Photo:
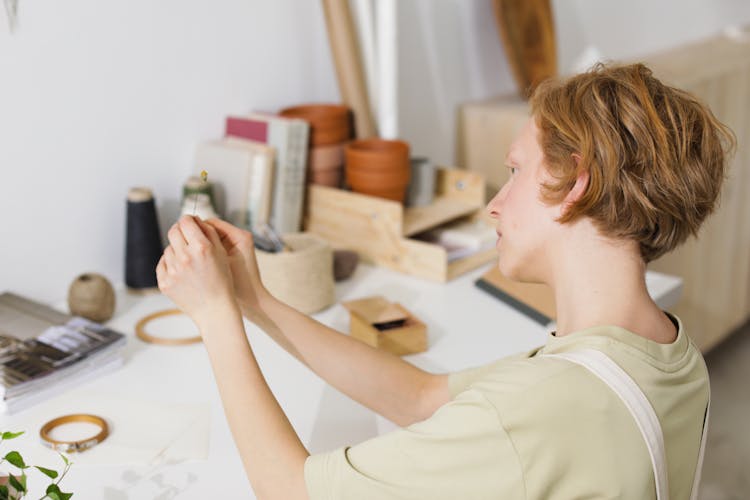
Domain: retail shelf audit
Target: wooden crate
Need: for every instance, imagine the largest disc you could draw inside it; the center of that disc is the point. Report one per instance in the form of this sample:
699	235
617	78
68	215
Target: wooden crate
380	230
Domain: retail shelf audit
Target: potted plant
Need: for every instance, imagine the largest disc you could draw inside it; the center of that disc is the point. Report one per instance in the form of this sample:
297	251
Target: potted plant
13	486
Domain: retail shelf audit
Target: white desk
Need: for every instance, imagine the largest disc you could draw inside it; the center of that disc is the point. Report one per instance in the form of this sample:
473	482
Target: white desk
466	327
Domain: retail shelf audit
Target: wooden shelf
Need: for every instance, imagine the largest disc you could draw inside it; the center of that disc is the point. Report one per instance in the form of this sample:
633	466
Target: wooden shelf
443	209
378	229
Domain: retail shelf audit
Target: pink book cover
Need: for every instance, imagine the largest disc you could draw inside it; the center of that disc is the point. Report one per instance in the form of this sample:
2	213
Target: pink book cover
247	128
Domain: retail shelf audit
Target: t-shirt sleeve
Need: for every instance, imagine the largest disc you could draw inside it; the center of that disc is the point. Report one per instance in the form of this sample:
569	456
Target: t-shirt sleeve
462	380
462	451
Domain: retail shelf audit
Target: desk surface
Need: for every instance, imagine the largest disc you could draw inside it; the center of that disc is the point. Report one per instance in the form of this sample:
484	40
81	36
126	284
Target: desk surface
466	327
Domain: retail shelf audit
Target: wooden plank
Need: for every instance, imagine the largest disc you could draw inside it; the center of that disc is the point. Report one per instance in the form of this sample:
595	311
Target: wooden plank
443	209
461	266
368	225
425	260
461	185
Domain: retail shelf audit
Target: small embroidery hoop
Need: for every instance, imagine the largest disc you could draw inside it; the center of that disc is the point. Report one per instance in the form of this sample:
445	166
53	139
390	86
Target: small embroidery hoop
141	333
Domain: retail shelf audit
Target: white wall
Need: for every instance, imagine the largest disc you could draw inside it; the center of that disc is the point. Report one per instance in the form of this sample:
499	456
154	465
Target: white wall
451	51
96	97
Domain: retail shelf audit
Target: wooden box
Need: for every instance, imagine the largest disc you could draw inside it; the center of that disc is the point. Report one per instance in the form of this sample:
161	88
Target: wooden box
409	338
381	231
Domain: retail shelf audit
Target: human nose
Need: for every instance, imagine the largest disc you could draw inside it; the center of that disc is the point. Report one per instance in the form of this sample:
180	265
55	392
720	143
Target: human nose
495	204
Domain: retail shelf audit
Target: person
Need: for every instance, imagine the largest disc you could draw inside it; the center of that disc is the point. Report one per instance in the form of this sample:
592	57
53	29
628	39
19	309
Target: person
613	169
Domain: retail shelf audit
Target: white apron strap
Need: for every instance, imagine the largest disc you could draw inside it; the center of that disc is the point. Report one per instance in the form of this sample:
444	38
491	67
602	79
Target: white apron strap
648	423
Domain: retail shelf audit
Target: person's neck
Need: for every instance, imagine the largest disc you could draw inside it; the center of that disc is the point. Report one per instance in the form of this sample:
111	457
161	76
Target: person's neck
599	282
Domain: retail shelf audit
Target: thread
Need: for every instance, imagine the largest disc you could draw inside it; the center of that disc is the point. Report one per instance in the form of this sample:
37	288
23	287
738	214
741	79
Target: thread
143	246
195	185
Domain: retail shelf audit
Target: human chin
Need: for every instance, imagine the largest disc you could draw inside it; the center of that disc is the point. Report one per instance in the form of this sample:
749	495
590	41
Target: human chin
507	265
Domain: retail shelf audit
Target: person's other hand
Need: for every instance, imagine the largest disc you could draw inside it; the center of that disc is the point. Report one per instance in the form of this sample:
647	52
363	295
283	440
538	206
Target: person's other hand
240	248
194	270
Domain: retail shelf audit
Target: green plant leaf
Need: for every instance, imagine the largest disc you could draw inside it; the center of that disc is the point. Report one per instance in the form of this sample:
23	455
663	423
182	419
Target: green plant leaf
47	472
15	458
4	492
17	483
53	492
65	459
10	435
65	496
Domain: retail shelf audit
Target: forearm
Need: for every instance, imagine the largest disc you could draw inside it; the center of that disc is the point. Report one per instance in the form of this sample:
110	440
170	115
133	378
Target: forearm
272	454
377	379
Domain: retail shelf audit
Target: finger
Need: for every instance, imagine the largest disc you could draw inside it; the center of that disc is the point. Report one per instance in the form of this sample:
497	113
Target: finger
229	234
161	266
170	260
177	239
191	230
225	230
212	234
161	271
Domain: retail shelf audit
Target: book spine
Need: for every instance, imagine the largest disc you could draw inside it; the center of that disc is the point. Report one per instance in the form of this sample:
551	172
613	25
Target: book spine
289	178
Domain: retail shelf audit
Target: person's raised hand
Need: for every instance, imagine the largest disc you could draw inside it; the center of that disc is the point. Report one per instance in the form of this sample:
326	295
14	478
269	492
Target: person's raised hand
240	248
194	270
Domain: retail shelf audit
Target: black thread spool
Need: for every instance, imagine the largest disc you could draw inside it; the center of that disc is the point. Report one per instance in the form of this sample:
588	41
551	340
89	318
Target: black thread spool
143	246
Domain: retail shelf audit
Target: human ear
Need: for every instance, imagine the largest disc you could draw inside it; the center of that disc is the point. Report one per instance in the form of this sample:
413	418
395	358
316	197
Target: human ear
579	187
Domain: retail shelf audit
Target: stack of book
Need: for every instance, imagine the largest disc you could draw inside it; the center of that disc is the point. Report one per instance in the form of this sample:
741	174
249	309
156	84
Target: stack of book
43	351
258	170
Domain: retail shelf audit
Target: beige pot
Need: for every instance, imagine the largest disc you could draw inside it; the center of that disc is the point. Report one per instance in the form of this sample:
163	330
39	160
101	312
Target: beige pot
302	277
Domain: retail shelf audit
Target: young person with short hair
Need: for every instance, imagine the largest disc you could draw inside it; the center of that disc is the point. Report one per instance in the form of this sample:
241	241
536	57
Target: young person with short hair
613	170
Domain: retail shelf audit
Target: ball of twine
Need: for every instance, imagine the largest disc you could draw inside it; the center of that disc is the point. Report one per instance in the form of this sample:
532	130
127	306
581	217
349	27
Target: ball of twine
302	277
91	296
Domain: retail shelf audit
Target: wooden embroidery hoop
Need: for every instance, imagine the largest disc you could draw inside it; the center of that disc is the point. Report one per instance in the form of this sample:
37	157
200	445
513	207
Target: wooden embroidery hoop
141	333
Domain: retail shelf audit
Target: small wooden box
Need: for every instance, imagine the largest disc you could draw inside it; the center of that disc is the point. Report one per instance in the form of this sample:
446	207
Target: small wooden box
410	338
381	230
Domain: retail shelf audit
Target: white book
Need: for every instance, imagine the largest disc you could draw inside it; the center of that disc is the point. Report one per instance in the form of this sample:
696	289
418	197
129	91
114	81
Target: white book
241	172
289	137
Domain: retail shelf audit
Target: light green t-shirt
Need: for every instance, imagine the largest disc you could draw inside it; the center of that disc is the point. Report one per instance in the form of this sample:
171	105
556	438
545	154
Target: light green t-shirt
531	427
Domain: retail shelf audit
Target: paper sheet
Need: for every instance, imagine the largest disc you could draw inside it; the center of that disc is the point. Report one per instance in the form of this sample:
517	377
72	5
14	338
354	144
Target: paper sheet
142	432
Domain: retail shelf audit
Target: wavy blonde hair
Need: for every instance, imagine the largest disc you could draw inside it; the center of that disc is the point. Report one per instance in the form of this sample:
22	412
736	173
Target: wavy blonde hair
655	154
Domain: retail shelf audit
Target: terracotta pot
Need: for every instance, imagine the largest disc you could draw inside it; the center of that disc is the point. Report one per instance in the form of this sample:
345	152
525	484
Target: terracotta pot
377	154
329	123
324	157
387	178
331	178
325	137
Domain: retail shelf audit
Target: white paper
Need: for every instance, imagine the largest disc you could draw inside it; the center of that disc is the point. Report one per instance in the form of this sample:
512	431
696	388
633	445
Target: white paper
142	432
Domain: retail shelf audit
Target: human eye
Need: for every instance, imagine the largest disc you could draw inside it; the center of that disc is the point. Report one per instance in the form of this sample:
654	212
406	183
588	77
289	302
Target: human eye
513	169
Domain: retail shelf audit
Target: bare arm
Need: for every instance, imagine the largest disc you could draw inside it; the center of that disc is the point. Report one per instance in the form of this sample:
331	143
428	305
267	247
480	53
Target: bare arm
194	273
381	381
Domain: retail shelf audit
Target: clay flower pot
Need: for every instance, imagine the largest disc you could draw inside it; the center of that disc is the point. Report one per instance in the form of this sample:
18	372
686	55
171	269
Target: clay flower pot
378	167
376	179
377	154
330	178
329	123
326	157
